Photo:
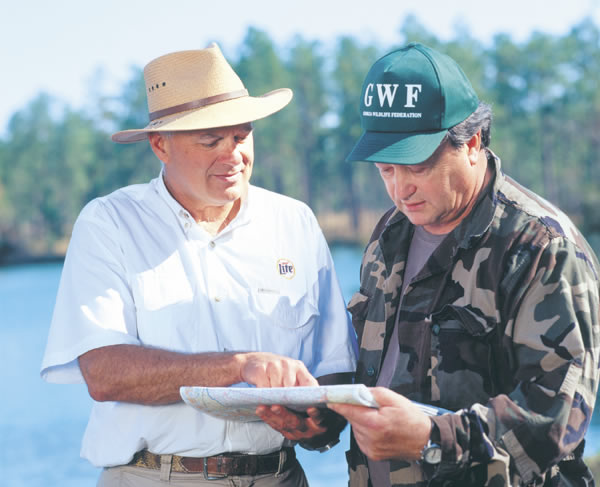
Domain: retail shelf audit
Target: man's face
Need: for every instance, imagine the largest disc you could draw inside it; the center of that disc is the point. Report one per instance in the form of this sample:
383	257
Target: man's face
207	168
437	193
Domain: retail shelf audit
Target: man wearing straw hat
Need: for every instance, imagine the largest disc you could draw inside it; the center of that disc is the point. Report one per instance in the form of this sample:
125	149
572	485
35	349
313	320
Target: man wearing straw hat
476	296
198	278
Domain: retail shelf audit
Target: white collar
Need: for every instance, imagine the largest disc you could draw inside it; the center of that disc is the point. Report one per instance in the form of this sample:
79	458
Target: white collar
184	217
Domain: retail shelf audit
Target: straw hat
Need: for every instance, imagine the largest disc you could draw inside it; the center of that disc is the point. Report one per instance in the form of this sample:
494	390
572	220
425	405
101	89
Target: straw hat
191	90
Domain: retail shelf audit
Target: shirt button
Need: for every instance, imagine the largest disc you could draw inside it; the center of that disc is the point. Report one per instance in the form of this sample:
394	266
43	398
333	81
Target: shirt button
212	244
370	371
435	329
217	299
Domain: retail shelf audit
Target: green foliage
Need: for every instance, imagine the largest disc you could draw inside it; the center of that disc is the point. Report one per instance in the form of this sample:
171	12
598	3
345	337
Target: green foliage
263	70
352	62
544	93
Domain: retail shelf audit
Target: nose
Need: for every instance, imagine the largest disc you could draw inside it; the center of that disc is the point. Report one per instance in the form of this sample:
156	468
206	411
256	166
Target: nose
231	153
404	187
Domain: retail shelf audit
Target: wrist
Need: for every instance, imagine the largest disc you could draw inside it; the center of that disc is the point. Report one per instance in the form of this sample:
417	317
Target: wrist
239	360
321	448
431	454
327	440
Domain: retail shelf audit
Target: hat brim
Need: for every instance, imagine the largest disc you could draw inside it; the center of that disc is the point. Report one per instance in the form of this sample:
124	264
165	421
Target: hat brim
222	114
396	148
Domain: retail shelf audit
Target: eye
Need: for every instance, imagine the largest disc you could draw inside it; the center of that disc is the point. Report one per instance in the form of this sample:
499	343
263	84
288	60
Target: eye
240	139
420	168
209	143
385	170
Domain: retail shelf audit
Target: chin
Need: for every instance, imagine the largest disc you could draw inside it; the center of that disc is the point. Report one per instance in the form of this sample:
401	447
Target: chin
231	195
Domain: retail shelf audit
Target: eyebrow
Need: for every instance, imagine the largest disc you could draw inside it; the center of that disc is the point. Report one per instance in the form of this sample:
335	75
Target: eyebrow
246	128
205	135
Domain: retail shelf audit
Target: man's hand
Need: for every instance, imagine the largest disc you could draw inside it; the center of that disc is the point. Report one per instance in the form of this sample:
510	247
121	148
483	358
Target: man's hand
397	430
294	426
269	370
317	427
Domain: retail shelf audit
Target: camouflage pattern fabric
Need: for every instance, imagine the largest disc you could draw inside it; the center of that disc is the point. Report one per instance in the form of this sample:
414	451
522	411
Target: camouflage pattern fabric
501	326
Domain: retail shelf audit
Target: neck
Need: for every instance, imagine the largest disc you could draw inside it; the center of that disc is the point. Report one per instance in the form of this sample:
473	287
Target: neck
214	219
483	179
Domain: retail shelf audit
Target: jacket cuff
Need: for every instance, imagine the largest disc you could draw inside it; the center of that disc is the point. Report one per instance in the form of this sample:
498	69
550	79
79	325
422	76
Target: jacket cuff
453	438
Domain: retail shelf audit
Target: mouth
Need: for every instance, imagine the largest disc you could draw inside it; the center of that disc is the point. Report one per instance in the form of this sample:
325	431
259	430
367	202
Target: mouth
229	176
414	206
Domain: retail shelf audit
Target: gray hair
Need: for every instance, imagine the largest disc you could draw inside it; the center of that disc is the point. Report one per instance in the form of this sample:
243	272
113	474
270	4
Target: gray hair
480	119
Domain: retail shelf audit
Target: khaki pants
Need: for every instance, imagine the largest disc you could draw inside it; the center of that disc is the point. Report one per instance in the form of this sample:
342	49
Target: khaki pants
125	476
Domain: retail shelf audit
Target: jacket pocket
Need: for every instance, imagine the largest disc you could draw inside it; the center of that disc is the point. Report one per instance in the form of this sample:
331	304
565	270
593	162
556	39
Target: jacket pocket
465	357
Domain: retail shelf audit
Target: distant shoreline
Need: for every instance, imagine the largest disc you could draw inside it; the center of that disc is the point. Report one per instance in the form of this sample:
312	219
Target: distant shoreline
337	228
18	260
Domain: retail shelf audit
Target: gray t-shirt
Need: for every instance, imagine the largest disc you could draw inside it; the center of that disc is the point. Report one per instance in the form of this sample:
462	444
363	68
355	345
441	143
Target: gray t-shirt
422	246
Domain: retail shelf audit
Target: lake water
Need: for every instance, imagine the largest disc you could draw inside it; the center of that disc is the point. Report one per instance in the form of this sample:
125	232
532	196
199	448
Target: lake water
41	424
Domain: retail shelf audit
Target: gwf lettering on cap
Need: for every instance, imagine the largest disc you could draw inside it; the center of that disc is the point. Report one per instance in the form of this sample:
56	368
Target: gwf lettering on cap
386	94
409	100
285	268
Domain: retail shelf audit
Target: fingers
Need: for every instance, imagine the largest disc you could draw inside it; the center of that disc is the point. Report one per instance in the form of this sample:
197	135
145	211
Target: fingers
270	370
354	414
386	397
305	378
292	425
283	372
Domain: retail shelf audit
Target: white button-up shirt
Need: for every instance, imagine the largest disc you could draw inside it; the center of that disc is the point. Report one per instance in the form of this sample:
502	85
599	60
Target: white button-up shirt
139	270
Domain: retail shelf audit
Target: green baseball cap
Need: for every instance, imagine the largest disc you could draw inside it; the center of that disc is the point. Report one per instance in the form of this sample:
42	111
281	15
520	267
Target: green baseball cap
409	100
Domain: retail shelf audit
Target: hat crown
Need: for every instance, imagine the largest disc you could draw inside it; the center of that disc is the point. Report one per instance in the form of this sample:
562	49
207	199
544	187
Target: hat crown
415	89
198	90
186	76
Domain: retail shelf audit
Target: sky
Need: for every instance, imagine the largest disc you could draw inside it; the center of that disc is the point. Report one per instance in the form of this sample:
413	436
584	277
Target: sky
73	48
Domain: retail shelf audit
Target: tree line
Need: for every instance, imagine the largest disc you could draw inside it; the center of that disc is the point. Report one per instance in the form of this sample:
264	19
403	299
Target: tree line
543	91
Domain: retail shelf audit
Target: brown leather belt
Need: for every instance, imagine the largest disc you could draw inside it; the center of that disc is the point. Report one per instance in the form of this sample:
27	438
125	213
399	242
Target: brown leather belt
220	465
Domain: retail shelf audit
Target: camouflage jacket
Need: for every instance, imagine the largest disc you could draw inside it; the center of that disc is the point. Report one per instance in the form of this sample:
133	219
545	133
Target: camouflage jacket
501	326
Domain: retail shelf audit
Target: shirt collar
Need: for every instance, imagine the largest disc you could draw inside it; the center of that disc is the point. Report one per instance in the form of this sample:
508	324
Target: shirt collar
185	219
181	214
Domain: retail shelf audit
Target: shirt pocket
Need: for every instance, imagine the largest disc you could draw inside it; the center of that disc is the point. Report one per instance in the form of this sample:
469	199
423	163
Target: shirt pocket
280	310
464	356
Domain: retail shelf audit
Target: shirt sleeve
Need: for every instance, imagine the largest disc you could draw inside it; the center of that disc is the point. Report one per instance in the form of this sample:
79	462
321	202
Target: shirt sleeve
335	336
94	305
555	342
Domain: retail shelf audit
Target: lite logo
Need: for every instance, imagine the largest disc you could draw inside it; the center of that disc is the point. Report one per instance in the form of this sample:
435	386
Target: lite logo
386	92
286	268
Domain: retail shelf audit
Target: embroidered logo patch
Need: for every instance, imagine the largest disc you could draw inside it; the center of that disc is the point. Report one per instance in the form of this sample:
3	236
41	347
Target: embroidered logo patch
286	268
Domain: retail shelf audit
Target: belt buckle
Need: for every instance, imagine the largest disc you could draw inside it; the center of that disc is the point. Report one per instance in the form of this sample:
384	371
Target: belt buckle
209	477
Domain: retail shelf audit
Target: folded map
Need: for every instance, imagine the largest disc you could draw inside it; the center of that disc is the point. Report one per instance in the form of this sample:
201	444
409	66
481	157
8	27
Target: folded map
239	403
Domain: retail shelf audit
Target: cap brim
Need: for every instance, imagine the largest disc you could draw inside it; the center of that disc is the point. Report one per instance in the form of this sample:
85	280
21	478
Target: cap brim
396	148
223	114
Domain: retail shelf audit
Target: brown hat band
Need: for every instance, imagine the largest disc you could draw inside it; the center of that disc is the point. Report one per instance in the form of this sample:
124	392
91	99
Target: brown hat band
197	104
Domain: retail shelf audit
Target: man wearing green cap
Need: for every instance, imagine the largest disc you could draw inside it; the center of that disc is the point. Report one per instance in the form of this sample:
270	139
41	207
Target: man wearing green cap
477	296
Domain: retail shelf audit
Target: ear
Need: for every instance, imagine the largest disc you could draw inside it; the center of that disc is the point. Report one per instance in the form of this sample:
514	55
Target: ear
474	147
159	145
